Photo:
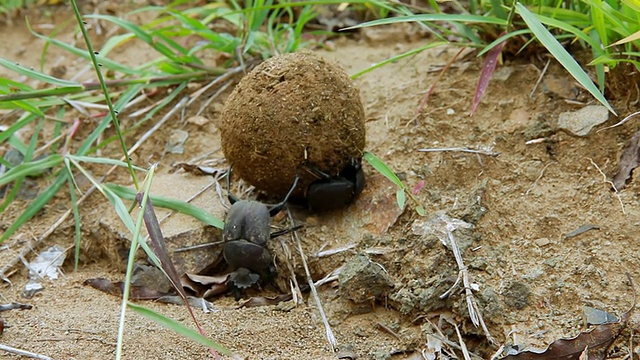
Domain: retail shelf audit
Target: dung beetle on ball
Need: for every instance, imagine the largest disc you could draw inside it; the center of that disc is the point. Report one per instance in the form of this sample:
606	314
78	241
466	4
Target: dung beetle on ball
245	236
335	192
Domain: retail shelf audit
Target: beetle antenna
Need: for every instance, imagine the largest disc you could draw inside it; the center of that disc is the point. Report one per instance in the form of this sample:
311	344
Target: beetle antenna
275	234
232	198
277	207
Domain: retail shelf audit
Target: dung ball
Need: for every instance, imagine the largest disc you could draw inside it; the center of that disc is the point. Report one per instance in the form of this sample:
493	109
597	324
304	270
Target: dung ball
290	113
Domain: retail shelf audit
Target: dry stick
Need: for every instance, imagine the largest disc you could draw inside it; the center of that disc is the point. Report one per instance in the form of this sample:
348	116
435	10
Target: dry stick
474	312
463	346
12	350
330	337
544	71
610	183
460	149
433	86
295	287
30	245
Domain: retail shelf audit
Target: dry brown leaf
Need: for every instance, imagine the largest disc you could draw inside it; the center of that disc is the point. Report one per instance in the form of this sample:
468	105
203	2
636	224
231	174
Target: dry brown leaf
115	288
197	169
597	340
629	160
205	286
265	301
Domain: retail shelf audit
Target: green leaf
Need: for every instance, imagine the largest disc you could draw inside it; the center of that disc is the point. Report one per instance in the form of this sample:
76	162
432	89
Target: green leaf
178	328
173	204
561	55
401	198
383	169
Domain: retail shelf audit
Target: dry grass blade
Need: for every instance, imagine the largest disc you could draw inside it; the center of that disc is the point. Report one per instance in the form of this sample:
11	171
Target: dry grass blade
12	350
329	333
160	249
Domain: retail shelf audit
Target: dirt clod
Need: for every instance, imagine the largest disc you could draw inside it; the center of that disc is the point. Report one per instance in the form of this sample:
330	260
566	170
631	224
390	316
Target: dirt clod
364	280
290	111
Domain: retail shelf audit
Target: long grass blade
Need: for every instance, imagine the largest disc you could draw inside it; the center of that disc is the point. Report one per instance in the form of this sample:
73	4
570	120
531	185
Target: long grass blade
36	205
172	204
463	18
561	55
178	328
31	168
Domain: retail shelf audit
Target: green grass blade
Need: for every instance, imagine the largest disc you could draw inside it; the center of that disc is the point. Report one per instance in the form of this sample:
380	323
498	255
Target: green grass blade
396	58
105	161
178	328
561	55
31	168
148	38
173	204
108	64
35	206
33	74
76	218
463	18
20	124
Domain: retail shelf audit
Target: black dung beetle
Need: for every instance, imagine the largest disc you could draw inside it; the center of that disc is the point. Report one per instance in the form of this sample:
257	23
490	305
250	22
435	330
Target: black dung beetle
245	235
335	192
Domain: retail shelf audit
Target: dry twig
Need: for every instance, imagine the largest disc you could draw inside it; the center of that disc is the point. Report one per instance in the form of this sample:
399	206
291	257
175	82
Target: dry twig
329	333
15	351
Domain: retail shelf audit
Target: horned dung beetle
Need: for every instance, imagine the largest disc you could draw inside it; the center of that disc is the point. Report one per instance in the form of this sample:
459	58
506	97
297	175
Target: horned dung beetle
335	192
245	236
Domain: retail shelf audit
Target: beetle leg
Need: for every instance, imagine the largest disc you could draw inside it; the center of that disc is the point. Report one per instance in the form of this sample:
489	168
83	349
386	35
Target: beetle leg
277	207
317	172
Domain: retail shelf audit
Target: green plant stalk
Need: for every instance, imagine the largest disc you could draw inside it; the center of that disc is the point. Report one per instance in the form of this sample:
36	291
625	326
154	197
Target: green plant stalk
131	261
105	91
76	217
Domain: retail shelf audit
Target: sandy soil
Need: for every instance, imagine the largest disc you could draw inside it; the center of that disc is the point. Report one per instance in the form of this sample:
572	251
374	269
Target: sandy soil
532	280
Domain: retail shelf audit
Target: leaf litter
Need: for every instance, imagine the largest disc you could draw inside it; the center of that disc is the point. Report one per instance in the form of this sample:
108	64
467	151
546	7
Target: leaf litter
590	344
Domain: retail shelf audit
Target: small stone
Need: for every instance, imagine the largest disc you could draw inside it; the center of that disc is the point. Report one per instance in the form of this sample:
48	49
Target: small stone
364	280
517	295
198	120
175	145
582	121
542	241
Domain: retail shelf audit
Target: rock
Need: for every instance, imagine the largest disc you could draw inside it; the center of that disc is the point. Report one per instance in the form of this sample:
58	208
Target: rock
582	121
175	145
364	280
516	295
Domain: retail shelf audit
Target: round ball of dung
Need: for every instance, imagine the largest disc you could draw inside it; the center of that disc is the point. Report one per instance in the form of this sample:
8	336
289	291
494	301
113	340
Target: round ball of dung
290	113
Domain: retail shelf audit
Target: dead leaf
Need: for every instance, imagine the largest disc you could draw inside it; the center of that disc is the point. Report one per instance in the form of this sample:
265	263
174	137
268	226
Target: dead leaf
593	316
205	286
195	302
15	306
198	169
265	301
207	280
116	288
597	340
629	160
